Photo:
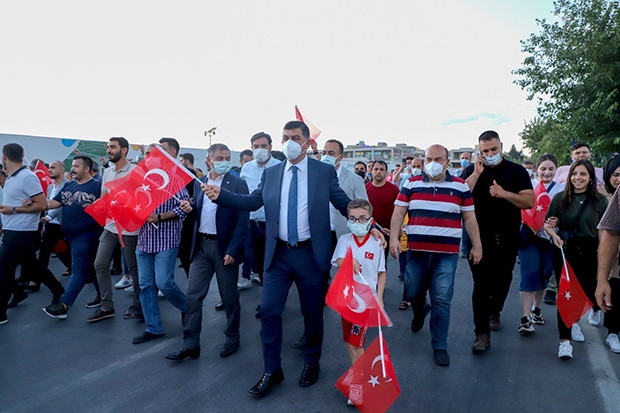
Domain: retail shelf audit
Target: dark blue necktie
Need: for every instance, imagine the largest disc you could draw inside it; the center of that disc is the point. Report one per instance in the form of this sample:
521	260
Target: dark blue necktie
291	222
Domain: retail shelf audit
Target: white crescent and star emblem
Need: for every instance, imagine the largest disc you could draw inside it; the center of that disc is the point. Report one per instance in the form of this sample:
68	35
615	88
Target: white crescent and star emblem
567	295
160	172
146	190
361	304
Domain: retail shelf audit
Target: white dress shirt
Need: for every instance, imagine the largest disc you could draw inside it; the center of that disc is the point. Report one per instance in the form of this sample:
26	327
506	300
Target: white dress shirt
303	223
209	209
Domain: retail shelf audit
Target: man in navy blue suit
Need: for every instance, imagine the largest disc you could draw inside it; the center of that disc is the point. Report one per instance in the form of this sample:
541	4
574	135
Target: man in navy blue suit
296	195
217	247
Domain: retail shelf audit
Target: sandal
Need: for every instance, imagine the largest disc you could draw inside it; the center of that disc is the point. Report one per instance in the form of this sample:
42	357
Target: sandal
403	305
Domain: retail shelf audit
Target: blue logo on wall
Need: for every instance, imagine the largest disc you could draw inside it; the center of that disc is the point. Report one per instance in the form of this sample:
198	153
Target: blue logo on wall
68	142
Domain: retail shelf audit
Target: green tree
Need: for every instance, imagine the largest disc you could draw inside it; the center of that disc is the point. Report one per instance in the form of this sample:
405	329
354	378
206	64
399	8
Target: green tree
514	155
573	72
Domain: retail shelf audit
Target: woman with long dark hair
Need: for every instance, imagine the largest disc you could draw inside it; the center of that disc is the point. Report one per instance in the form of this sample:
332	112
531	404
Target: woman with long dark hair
571	222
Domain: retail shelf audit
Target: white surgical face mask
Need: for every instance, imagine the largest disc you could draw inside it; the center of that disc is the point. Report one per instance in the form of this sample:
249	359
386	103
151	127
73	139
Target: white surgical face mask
261	155
221	167
416	172
433	169
493	160
291	150
359	229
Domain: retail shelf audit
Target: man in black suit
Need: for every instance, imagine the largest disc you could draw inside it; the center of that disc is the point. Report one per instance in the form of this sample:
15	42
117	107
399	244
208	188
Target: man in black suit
217	249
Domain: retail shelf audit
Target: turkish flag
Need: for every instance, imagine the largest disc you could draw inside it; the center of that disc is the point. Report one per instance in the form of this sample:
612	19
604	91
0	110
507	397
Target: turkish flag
572	301
99	210
43	174
371	382
152	182
314	131
535	217
354	300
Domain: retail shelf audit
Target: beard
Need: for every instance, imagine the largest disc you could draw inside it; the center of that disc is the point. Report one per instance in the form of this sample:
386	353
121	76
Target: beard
114	157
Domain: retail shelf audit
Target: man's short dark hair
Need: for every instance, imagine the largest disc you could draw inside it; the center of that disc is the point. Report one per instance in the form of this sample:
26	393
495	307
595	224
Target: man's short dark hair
360	163
259	135
217	147
172	143
578	145
279	155
86	161
295	124
246	152
14	152
380	162
337	142
188	157
488	135
122	142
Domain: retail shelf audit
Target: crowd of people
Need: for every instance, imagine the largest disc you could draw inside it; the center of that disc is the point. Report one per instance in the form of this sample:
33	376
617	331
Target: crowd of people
288	217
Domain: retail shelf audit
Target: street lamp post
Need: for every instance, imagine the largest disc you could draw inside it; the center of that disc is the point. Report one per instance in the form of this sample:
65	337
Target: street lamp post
210	134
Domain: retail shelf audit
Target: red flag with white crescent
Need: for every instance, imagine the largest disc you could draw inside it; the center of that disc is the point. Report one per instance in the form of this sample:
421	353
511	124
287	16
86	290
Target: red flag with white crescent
371	382
156	179
43	174
314	131
535	216
353	300
572	301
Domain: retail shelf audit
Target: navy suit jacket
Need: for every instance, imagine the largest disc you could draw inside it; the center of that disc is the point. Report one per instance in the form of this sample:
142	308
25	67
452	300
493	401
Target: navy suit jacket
232	225
323	188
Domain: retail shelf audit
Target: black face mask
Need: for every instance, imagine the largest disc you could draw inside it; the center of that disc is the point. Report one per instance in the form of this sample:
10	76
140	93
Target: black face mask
361	173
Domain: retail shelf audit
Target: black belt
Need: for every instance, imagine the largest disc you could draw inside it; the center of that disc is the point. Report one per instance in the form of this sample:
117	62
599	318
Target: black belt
207	236
300	244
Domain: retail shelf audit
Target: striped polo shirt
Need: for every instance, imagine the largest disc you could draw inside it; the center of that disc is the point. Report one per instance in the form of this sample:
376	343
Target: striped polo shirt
435	212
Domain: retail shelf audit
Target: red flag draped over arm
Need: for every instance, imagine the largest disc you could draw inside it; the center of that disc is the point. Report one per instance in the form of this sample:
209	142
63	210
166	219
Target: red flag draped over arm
152	182
353	300
365	384
572	301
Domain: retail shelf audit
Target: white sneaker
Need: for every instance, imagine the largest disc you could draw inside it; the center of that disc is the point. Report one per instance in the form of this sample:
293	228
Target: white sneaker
565	352
594	318
124	282
129	289
244	283
613	343
576	333
160	294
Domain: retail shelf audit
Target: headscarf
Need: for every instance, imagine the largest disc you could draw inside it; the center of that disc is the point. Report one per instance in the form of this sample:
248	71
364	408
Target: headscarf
609	169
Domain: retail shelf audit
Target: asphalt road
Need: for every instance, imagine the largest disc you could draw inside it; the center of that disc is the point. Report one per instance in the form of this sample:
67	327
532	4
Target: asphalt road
49	365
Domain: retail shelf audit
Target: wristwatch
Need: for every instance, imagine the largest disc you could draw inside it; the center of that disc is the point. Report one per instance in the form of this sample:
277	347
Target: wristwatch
14	210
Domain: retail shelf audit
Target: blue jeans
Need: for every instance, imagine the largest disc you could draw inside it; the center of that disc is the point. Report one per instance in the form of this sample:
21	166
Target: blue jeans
437	271
156	271
83	253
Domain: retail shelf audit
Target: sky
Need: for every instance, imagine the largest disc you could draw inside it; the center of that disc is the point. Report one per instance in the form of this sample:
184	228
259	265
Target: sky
395	71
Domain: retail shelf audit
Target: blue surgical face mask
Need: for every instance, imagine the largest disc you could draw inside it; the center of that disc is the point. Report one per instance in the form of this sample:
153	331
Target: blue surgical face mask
359	229
464	163
330	160
221	167
493	160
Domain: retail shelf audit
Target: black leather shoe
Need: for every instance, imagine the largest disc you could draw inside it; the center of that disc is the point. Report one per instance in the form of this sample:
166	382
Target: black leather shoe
309	375
265	383
219	306
183	354
17	298
146	336
229	349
